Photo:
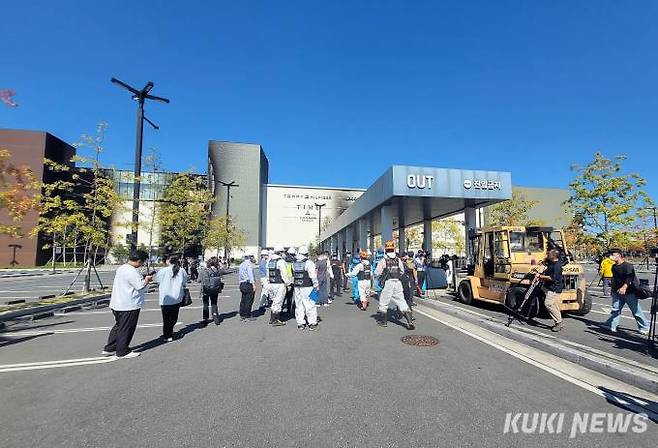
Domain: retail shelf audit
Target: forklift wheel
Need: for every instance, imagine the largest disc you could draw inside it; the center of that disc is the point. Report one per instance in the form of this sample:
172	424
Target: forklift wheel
586	308
465	292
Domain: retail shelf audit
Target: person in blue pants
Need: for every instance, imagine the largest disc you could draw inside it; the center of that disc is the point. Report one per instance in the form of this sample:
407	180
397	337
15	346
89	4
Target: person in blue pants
378	256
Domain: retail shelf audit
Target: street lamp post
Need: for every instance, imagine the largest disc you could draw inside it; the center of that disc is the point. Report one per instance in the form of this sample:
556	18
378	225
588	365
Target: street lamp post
140	96
319	207
228	186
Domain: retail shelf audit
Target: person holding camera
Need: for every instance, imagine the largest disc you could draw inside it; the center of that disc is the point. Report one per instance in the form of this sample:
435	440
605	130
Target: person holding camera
623	293
127	299
552	287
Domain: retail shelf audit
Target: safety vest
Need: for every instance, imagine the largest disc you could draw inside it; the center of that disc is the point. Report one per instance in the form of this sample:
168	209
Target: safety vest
274	272
392	269
300	275
364	274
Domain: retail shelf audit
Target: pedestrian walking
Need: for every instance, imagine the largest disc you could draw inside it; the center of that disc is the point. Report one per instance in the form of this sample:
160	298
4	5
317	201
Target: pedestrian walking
605	271
420	262
305	280
211	285
171	287
324	278
337	281
552	287
278	284
264	280
624	282
390	270
362	272
247	287
126	301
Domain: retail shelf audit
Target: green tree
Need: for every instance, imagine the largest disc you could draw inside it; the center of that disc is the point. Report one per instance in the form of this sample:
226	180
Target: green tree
607	200
513	212
184	213
220	234
448	235
18	194
120	252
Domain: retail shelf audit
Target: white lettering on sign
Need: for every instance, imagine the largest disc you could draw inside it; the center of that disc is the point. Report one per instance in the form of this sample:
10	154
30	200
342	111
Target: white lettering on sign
420	182
482	184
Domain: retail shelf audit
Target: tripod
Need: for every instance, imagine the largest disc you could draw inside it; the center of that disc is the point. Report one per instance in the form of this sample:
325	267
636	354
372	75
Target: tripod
530	299
92	262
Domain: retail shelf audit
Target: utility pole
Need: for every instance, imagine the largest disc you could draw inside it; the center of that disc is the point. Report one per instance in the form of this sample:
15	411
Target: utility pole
319	207
228	186
140	96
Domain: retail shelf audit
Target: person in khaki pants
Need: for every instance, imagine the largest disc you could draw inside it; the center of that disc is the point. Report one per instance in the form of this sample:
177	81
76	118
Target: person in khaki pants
552	278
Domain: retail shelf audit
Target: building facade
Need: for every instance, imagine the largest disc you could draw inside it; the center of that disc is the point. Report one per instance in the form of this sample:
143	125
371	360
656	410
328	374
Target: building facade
29	149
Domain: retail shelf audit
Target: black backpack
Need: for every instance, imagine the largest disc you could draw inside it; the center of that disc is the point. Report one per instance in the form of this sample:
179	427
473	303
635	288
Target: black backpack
213	282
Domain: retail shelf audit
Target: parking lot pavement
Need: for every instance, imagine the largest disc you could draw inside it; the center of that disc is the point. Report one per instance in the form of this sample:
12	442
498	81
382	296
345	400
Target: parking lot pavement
248	384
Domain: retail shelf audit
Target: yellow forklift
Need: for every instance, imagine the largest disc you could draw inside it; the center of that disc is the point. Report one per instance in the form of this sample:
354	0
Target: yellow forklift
505	259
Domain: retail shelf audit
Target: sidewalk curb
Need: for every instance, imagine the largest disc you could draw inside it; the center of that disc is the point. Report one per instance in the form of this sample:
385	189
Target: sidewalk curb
38	310
629	371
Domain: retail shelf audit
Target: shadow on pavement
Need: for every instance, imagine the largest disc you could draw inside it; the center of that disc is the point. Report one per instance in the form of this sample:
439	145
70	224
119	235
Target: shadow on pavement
34	327
5	342
621	340
639	404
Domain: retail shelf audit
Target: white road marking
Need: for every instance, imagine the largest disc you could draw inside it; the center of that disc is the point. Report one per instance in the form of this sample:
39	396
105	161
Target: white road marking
144	310
74	330
56	364
568	371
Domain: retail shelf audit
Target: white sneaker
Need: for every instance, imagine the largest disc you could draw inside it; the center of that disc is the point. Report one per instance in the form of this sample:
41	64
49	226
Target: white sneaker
106	353
169	340
644	333
129	355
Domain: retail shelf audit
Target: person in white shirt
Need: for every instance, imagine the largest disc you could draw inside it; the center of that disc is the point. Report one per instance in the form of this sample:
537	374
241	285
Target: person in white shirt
390	269
305	280
171	287
126	301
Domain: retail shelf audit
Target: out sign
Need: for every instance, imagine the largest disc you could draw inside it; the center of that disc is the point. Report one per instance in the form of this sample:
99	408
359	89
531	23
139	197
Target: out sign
419	181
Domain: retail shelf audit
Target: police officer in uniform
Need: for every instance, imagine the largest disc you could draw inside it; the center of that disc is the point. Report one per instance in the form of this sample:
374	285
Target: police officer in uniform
390	270
363	274
278	280
305	280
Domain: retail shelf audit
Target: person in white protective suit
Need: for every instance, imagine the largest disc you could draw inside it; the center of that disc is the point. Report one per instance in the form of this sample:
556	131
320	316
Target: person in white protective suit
389	270
305	280
278	282
363	272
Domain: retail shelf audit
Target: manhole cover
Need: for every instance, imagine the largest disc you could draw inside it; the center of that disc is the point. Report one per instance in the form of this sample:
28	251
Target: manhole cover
419	341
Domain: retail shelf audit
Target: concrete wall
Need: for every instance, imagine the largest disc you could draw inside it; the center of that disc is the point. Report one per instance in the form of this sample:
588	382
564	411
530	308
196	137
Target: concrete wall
247	165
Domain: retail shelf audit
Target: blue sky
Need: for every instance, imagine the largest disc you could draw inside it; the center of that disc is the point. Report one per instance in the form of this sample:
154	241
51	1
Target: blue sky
338	91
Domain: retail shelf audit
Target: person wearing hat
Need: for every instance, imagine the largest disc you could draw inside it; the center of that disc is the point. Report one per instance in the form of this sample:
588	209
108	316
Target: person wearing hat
279	280
262	272
247	286
362	273
390	270
305	280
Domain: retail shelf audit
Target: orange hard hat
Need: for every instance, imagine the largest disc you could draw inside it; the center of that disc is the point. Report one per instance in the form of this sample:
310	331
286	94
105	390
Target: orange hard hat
364	254
389	246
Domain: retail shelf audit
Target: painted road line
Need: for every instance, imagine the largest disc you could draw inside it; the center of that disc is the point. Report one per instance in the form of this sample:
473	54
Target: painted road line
56	364
74	330
580	376
144	310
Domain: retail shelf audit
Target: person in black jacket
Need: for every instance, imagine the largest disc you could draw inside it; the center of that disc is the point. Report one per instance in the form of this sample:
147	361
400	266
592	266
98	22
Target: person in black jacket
623	293
552	287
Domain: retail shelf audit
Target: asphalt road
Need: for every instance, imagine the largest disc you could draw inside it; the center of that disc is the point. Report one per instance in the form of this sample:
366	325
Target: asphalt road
351	384
29	288
588	330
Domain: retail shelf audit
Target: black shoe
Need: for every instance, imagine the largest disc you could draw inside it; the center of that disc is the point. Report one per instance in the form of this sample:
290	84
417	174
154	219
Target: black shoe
313	327
276	321
381	319
215	317
301	327
409	318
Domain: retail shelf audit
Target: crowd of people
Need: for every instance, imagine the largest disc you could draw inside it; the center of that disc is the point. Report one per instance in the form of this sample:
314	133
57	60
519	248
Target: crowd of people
288	281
